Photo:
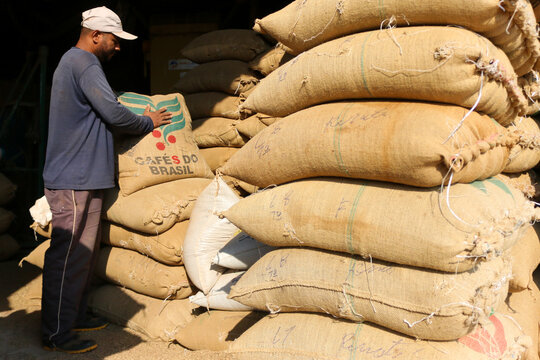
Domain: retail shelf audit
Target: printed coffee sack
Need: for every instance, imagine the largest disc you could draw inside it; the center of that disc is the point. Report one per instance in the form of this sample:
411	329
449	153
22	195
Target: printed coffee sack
301	336
168	153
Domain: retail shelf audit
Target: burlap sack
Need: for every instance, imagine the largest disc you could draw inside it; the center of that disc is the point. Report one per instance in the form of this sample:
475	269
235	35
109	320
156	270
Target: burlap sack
8	246
418	144
43	231
441	64
300	336
155	318
526	182
236	44
6	218
217	131
7	189
449	231
524	307
255	124
139	273
536	7
240	187
214	104
165	247
413	301
155	209
525	255
526	154
37	256
270	60
216	330
28	295
530	83
168	153
302	25
216	157
229	76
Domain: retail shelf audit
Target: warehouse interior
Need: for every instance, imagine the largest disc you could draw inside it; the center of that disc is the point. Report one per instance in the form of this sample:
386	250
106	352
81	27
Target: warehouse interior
39	32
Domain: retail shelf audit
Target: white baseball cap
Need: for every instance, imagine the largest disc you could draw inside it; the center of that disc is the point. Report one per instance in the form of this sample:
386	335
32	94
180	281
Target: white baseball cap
104	19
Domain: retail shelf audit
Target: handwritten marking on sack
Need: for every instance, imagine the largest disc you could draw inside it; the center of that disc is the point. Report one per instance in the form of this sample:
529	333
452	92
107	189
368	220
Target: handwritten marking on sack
394	350
287	197
276	215
342	206
261	148
271	269
341	120
272	202
373	268
281	335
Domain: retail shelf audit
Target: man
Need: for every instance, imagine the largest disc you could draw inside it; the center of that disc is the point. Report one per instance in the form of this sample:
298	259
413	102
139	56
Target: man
79	165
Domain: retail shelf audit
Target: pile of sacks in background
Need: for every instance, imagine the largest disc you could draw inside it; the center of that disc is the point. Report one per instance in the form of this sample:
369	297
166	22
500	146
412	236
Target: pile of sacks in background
230	65
8	245
393	219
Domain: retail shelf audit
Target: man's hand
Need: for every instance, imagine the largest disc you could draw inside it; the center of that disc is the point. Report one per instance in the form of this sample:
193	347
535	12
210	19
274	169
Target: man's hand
160	117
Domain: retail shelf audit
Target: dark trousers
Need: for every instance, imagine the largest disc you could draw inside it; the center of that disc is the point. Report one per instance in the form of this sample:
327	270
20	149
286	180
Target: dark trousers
70	260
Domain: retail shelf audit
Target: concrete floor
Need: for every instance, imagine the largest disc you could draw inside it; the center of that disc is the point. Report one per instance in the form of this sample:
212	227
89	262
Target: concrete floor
20	321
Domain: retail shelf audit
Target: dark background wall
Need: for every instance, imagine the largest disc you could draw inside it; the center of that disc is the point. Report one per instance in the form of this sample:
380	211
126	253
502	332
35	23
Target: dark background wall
52	27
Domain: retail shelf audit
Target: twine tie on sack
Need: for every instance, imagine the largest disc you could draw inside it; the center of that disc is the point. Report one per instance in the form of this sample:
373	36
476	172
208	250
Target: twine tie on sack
340	8
475	311
392	24
511	19
470	110
444	53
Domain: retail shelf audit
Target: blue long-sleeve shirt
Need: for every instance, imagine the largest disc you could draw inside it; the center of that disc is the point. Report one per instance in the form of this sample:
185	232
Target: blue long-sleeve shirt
83	110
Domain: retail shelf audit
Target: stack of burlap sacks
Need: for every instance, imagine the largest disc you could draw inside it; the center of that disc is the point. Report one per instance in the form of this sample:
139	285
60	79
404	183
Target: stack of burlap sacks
8	245
397	235
160	176
230	64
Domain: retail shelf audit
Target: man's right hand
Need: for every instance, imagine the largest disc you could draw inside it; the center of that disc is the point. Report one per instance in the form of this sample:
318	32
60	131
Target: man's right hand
159	117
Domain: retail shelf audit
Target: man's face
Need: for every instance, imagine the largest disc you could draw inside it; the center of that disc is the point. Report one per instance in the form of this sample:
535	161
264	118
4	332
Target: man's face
108	44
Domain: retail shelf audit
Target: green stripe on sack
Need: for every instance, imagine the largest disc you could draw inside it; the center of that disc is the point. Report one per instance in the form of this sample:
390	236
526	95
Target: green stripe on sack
337	139
382	12
178	123
171	105
501	185
479	184
136	99
362	63
352	214
356	338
